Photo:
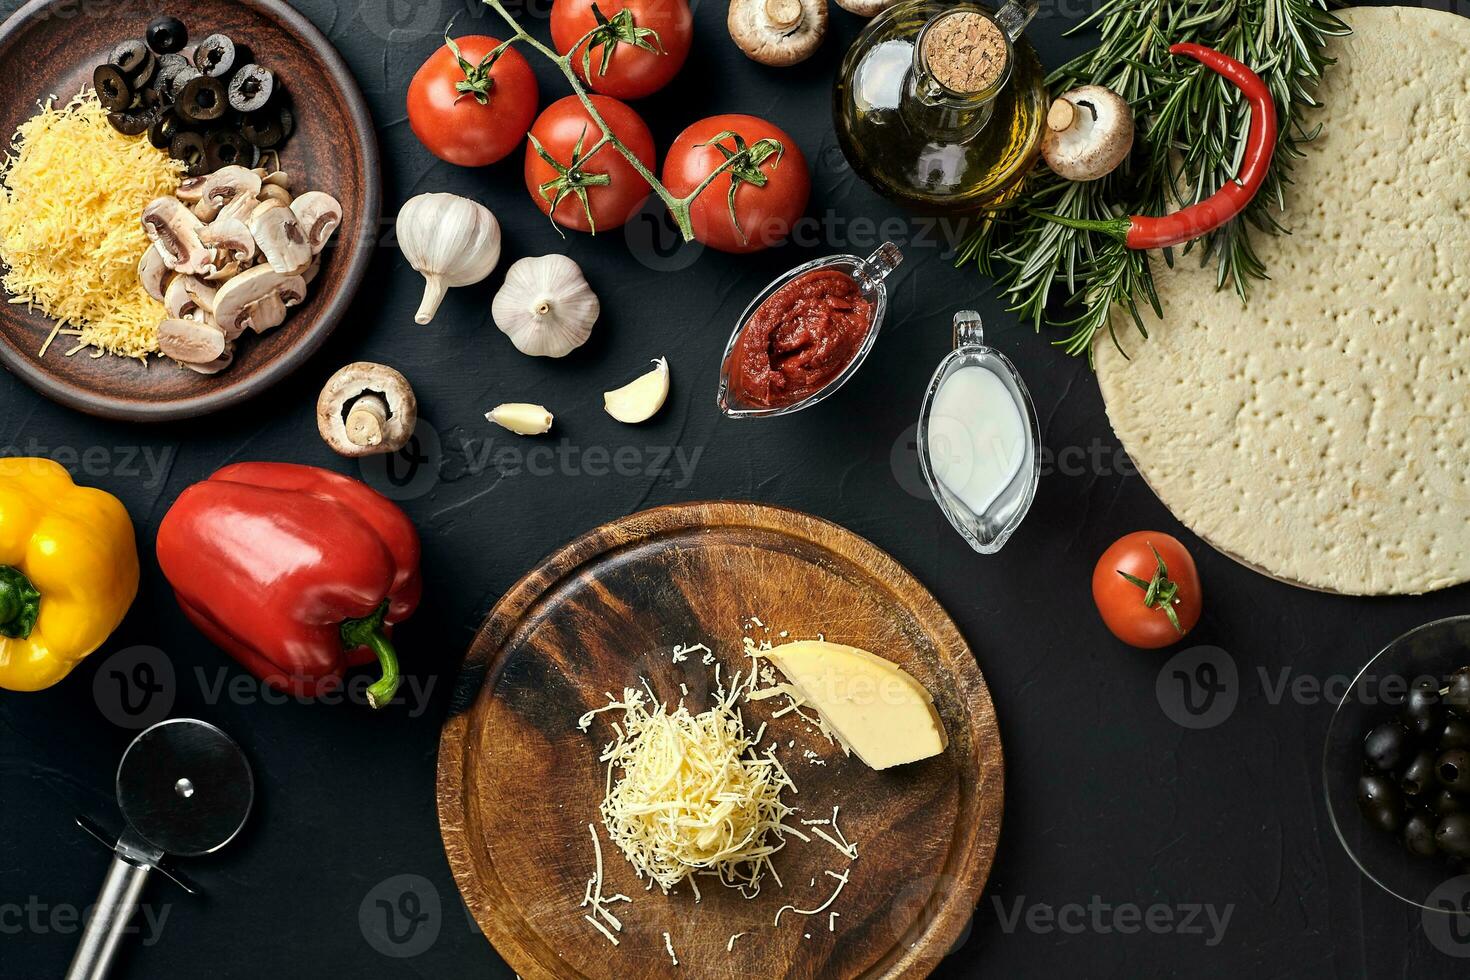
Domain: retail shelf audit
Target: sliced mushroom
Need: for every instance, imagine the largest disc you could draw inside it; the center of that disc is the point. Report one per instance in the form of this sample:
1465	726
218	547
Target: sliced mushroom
217	365
191	341
865	8
278	178
191	190
312	271
266	203
256	299
777	32
153	274
1089	131
366	408
240	208
189	298
233	244
281	239
222	187
319	214
174	231
276	193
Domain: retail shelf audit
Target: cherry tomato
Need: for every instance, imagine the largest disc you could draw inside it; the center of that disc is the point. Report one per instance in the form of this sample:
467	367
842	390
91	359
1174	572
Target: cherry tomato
484	123
566	133
1121	588
640	45
770	195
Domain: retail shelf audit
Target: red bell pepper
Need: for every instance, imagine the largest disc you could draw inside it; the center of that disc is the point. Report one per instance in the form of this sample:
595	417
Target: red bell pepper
296	572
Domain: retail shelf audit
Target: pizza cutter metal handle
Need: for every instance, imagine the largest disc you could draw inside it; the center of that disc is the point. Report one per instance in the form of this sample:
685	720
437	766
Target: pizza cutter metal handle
108	923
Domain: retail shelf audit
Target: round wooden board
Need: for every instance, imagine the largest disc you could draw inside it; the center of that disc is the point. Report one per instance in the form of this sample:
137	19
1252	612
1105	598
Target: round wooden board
518	783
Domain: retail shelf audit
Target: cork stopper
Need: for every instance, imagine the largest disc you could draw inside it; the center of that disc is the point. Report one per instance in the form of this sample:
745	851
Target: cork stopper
965	52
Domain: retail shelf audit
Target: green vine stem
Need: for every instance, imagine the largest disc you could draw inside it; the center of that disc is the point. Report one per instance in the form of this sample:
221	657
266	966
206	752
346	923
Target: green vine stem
751	156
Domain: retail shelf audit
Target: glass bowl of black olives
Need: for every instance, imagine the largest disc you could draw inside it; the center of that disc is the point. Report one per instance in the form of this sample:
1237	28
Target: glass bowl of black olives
1397	763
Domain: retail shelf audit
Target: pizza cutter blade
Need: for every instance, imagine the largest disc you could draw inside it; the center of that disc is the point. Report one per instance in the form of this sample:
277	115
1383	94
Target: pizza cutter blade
185	789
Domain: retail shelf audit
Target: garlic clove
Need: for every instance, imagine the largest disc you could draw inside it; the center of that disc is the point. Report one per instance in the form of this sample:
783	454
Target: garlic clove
521	418
640	399
546	307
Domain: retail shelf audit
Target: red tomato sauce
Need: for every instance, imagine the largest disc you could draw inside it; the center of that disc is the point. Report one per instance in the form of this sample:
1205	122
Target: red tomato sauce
800	338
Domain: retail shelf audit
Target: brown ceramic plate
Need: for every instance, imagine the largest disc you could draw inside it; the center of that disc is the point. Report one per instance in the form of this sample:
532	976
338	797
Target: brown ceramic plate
518	783
50	47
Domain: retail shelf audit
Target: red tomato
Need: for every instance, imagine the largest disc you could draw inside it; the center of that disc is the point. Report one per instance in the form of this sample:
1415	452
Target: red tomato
766	214
478	127
645	42
1147	556
561	129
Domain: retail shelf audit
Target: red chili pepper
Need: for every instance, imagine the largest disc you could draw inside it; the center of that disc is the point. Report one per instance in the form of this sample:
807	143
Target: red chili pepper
1187	224
294	571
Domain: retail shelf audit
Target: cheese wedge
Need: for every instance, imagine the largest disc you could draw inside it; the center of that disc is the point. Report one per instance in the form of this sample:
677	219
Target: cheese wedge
873	706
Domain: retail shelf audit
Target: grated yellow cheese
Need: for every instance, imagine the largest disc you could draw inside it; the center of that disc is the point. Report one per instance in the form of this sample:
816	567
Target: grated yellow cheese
72	191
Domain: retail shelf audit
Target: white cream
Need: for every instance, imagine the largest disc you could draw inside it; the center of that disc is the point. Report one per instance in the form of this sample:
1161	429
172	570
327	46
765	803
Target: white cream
977	437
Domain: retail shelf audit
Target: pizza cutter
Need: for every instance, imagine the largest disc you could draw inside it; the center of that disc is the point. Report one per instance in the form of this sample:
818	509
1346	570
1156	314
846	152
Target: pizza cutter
185	789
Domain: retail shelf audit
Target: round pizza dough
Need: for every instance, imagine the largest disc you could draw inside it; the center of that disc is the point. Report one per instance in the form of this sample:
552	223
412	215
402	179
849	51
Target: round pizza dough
1321	433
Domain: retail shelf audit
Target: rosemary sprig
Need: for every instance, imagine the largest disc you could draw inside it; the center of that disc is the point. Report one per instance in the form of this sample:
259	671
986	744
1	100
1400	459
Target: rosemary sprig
1191	132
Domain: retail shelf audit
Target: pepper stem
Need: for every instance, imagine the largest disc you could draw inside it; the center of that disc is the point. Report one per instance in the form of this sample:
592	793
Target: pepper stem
20	603
368	632
1112	227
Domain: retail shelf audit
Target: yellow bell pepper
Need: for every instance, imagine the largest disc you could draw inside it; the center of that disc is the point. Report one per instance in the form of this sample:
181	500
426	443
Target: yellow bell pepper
68	571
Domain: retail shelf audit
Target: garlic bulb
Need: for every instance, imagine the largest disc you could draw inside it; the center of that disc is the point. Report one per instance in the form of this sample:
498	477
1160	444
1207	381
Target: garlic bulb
546	307
451	241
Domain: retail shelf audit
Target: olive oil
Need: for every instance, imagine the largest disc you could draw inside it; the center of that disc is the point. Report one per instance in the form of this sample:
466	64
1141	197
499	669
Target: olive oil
910	129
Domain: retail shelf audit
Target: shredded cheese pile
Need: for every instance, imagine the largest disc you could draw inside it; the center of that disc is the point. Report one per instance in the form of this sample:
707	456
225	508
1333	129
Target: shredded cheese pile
693	796
71	193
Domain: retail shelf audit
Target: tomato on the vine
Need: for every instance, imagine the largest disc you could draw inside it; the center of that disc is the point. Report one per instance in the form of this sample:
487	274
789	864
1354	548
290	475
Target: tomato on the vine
751	206
1147	589
468	105
637	48
579	184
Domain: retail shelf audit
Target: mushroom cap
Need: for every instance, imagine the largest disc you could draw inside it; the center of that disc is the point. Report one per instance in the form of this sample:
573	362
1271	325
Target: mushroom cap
319	215
1089	132
257	299
777	32
353	382
865	8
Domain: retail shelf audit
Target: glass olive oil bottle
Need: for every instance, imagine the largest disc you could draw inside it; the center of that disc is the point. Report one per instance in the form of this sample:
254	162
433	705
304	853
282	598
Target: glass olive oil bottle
941	106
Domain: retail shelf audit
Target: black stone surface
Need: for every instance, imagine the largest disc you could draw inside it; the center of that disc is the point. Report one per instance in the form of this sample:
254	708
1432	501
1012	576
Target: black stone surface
1113	809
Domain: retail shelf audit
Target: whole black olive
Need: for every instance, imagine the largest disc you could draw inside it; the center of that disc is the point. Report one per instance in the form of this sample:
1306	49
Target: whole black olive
1419	834
1379	800
166	34
1455	734
202	100
1445	802
1422	712
1419	776
1458	695
251	88
114	90
188	148
224	148
1452	835
216	56
1453	770
1386	746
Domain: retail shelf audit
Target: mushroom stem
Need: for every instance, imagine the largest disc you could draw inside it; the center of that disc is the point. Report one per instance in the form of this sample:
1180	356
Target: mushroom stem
784	15
367	416
1060	116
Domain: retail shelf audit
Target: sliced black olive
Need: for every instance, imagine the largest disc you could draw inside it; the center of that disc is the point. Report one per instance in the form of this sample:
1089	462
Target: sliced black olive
1385	746
166	34
202	100
1380	802
251	88
169	67
114	90
1458	696
1452	835
264	128
1453	770
215	56
188	148
288	123
1419	834
147	98
132	122
174	88
1418	776
224	148
1422	711
1445	801
1455	734
131	57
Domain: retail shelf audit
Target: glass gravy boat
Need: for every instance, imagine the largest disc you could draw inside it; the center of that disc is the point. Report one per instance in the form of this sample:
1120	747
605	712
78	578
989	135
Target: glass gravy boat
988	528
